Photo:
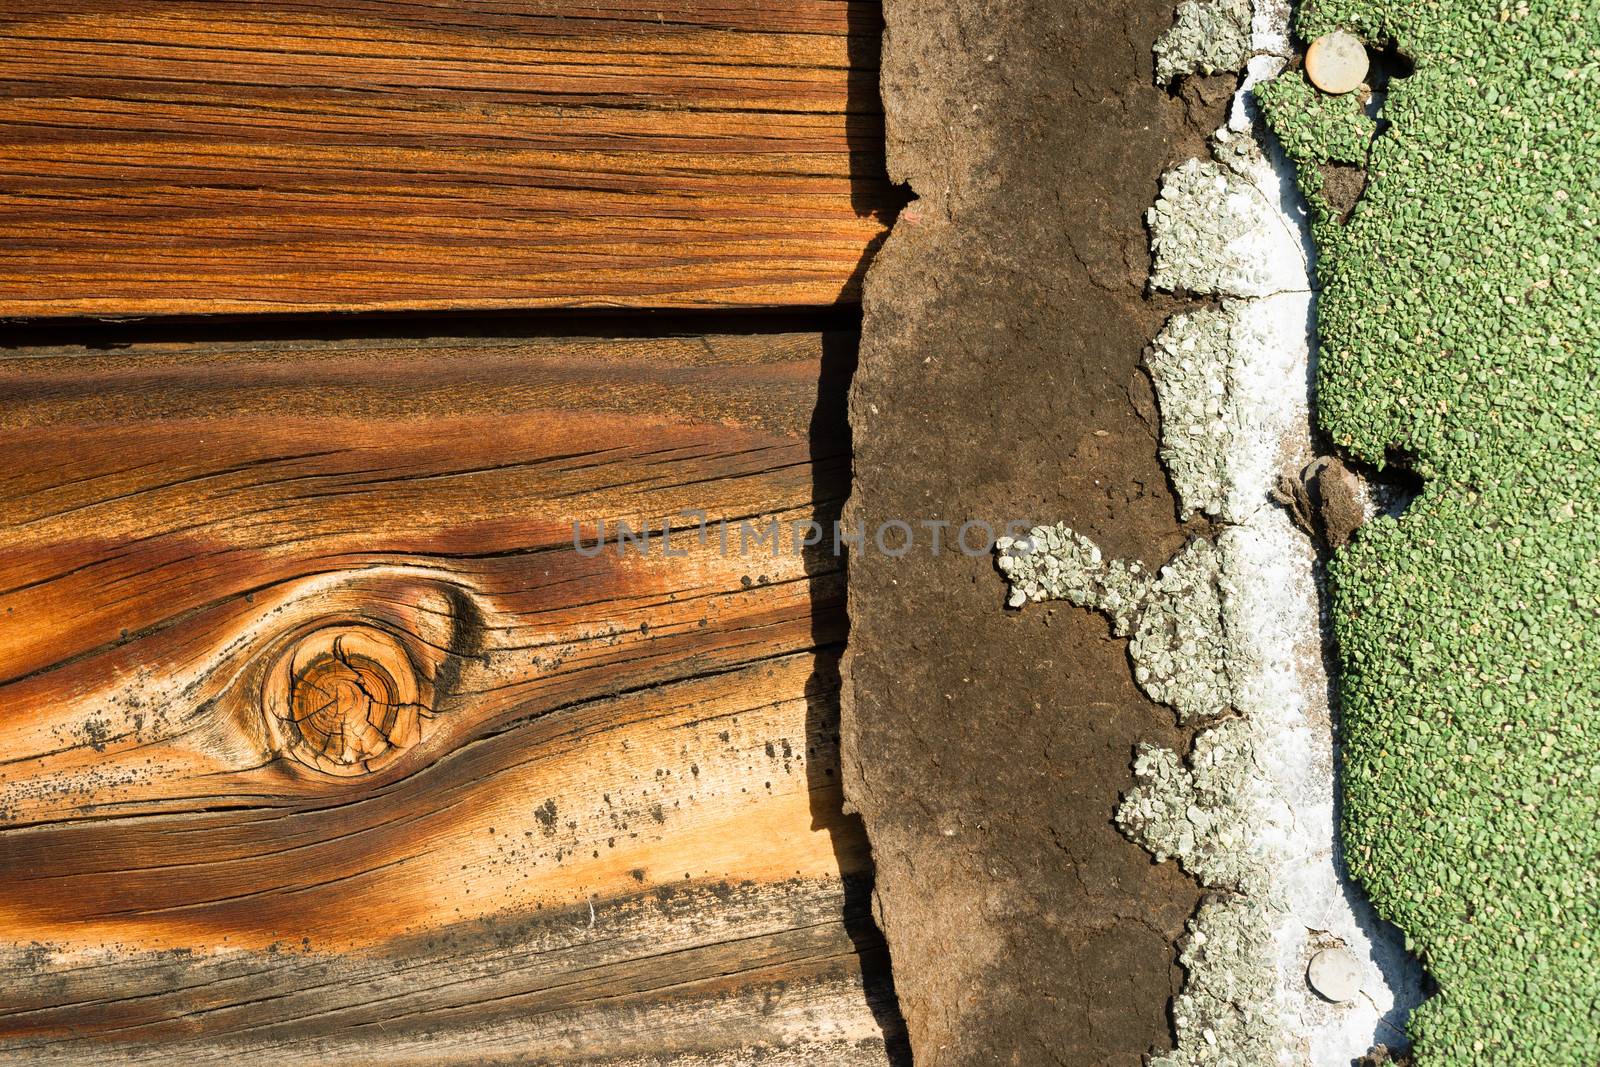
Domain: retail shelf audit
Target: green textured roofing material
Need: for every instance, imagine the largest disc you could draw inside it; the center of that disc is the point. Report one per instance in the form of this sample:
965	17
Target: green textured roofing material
1459	320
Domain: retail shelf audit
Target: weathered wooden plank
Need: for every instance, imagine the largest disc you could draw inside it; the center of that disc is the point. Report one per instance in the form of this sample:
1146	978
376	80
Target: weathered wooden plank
168	157
746	974
321	736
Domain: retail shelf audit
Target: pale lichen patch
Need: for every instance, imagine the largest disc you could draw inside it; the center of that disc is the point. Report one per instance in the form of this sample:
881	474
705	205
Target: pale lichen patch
1190	365
1178	647
1058	563
1175	620
1213	233
1207	37
1225	1016
1201	814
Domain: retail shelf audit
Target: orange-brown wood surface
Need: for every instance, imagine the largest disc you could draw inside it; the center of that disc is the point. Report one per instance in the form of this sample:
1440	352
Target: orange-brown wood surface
167	157
321	736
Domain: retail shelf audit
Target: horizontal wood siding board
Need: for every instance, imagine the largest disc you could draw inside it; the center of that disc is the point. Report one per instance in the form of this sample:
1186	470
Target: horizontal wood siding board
650	734
176	159
678	974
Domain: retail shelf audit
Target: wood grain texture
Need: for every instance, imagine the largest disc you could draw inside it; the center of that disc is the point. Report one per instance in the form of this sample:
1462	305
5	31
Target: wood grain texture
615	836
167	157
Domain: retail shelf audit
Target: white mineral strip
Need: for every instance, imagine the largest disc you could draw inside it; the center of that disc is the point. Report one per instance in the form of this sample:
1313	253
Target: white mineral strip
1246	241
1271	614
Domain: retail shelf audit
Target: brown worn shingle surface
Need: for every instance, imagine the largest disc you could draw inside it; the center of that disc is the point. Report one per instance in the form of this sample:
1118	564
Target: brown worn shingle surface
1000	379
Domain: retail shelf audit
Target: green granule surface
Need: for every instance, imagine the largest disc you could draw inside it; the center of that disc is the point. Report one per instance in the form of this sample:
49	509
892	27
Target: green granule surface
1334	129
1327	129
1459	319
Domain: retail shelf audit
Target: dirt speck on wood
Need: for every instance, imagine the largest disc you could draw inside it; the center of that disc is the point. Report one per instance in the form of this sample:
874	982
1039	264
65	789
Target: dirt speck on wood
1000	378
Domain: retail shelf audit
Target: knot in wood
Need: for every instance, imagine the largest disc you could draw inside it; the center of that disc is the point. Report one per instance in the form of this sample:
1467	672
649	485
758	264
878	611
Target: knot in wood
347	700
